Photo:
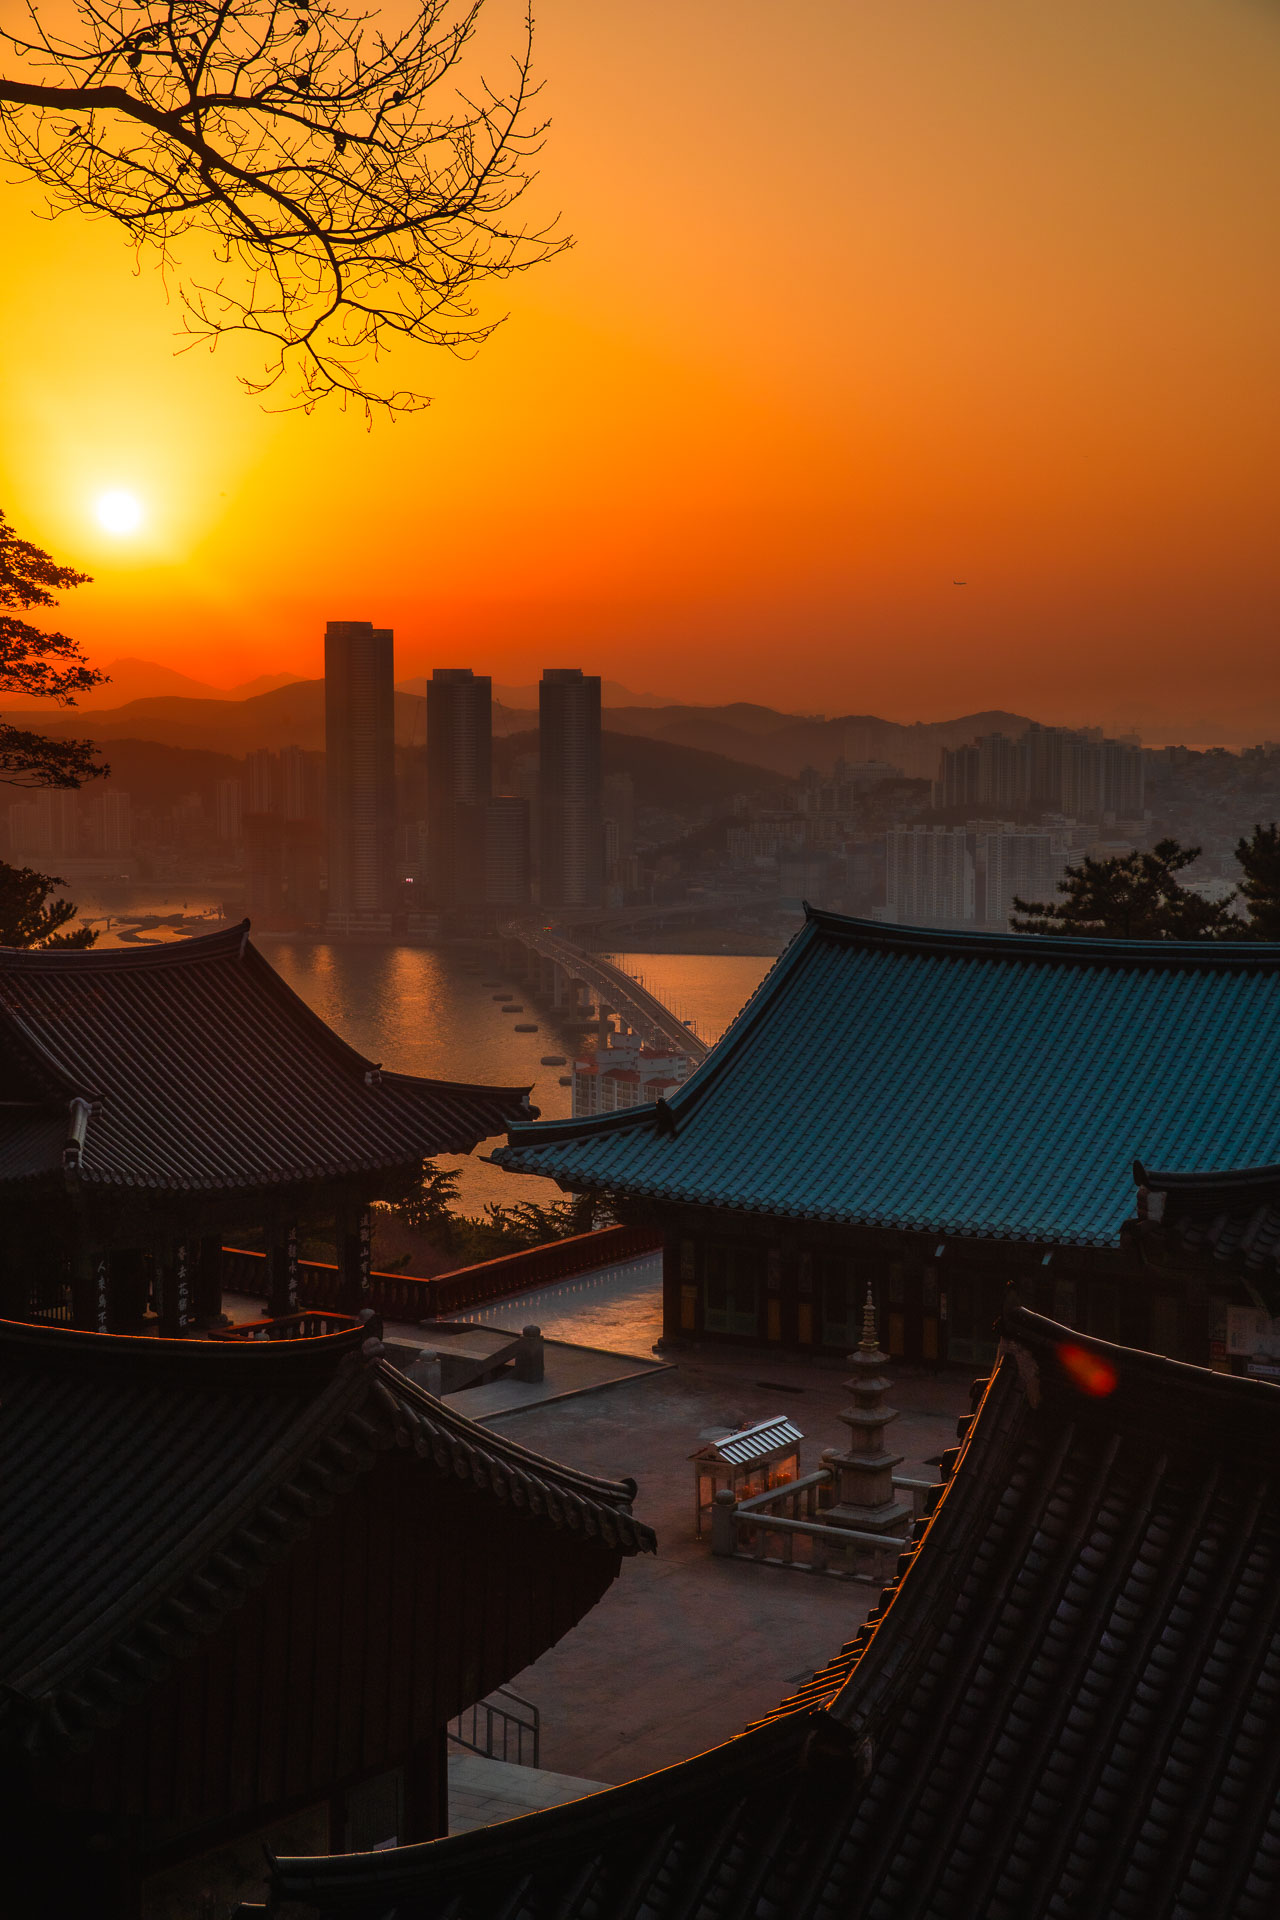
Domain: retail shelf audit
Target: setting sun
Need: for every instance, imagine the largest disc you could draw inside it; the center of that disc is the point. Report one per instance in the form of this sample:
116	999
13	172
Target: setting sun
118	512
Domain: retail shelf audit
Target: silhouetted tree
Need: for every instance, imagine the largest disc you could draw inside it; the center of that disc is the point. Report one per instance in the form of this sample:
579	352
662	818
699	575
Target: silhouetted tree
29	919
357	185
49	666
1133	896
1259	858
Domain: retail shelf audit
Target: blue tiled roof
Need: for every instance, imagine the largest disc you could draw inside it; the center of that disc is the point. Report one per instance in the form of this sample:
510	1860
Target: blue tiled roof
993	1085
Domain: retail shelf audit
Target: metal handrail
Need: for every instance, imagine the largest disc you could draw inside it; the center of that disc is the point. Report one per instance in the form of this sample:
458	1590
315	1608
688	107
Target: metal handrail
525	1721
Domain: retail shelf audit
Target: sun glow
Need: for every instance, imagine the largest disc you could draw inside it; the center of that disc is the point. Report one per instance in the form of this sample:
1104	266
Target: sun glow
118	512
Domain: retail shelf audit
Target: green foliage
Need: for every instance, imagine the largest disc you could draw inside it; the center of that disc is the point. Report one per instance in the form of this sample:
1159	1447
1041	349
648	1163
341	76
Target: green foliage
429	1209
29	919
1259	858
1134	896
47	666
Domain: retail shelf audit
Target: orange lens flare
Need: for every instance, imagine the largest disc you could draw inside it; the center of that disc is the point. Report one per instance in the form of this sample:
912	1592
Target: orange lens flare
1087	1371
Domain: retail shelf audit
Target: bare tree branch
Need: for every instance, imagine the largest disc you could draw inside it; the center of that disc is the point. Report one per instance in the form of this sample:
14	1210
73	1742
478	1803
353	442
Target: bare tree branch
357	187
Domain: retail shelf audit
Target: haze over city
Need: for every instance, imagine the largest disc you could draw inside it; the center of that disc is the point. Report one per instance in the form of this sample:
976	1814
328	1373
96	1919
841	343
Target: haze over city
865	300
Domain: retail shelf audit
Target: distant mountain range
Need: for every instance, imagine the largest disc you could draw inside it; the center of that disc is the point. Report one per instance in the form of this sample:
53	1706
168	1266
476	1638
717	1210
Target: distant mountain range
525	699
129	679
292	713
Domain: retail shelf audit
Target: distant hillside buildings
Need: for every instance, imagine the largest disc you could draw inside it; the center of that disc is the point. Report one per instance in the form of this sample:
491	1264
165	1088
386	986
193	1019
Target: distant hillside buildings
962	876
1046	770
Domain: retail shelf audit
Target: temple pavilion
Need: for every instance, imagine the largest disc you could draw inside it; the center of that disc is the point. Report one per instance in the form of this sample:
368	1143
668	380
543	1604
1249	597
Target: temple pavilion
159	1102
944	1115
1066	1702
245	1587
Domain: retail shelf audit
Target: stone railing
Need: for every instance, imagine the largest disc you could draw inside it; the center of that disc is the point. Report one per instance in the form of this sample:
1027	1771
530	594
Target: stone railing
783	1528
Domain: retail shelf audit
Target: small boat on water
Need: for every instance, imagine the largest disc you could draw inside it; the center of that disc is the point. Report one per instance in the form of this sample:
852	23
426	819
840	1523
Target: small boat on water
553	1060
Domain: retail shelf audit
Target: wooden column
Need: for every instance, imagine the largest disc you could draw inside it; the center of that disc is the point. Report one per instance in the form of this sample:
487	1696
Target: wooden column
80	1272
355	1260
127	1290
282	1271
207	1283
174	1277
426	1790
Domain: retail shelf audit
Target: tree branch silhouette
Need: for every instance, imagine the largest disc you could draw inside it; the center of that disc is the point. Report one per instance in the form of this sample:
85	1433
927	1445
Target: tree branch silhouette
357	187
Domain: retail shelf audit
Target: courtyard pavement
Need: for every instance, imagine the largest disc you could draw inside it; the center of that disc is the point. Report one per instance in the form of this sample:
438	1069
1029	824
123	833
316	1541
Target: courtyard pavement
685	1649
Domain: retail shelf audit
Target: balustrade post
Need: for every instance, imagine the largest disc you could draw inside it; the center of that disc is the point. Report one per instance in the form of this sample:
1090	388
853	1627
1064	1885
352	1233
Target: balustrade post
723	1532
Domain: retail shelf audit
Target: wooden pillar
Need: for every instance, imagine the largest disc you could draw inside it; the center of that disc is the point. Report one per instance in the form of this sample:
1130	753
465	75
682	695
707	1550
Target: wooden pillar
355	1261
173	1273
426	1790
282	1271
207	1283
127	1290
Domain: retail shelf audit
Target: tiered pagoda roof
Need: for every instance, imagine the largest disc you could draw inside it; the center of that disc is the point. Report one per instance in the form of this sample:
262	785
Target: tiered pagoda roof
194	1067
1067	1702
148	1485
962	1083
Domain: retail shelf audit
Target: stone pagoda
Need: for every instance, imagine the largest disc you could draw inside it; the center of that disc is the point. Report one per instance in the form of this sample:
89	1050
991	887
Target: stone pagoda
864	1490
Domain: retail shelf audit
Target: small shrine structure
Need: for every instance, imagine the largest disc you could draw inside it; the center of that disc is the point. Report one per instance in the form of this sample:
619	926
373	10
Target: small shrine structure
158	1103
745	1461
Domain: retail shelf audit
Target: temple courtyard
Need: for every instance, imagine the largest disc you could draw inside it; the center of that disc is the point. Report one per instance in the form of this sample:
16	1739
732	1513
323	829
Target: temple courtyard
685	1648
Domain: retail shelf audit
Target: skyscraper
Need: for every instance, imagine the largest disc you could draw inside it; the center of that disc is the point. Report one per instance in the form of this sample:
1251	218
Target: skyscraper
570	823
459	782
359	728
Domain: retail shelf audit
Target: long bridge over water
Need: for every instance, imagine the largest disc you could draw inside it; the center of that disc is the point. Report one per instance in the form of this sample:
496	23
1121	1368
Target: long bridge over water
570	979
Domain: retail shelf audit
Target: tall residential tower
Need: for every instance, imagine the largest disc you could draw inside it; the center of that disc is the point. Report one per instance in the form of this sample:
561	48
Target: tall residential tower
360	745
459	782
571	827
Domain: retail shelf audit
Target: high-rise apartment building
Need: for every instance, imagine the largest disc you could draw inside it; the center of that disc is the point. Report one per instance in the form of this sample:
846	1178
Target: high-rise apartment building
506	851
1046	770
1011	864
929	876
459	782
359	725
570	831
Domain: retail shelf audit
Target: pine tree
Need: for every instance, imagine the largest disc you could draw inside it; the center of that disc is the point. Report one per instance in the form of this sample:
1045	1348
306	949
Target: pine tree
1259	858
1133	896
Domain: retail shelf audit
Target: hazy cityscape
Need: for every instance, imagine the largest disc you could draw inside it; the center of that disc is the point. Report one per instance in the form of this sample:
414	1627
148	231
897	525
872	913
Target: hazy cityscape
431	811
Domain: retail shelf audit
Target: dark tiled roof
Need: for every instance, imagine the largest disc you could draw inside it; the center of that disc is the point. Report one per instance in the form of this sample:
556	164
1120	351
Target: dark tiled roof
1067	1703
231	1450
202	1069
993	1085
1229	1221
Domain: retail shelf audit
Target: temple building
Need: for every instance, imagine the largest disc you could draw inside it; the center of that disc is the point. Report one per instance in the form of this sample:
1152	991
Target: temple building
944	1114
1066	1703
246	1585
157	1103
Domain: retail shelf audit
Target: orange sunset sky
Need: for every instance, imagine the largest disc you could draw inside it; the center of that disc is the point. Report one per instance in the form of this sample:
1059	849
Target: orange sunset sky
868	296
